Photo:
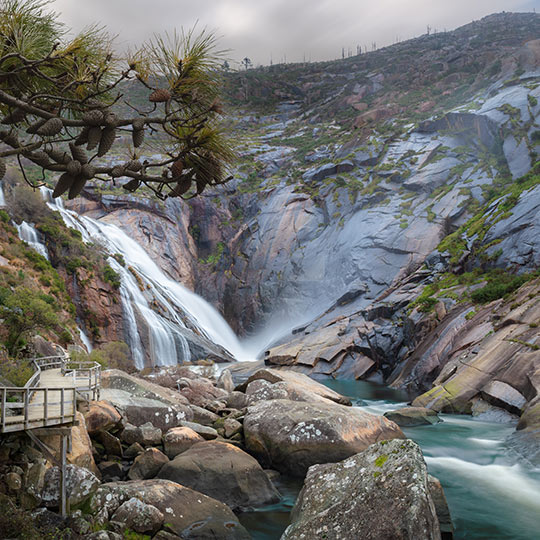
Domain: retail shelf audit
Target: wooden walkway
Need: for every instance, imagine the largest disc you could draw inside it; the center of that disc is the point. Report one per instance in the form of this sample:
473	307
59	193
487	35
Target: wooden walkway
49	398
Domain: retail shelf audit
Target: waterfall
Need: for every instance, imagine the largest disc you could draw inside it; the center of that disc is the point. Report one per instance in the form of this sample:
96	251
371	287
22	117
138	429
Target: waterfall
85	339
182	316
2	198
28	233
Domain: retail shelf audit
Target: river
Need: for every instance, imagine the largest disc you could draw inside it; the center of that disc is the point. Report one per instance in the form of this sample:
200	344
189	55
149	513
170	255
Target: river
491	496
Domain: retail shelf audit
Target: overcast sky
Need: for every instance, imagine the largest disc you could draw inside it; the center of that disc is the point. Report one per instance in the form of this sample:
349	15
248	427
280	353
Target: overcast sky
283	29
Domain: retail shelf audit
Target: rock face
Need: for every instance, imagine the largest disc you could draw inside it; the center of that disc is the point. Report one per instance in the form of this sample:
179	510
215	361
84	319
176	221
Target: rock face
291	436
224	472
344	501
187	513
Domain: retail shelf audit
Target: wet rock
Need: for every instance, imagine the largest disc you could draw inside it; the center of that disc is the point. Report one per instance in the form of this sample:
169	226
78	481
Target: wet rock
343	501
80	485
187	512
147	464
102	416
224	472
413	416
180	439
139	517
291	436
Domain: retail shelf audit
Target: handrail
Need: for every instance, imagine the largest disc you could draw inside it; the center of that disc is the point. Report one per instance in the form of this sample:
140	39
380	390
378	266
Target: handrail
56	407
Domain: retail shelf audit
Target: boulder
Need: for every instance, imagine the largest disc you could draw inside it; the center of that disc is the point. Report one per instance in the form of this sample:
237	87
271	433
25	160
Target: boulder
111	469
231	427
180	439
150	435
291	436
413	416
81	446
382	492
133	450
299	380
203	416
224	472
188	514
206	432
441	508
225	381
147	464
237	400
504	396
102	416
80	485
13	481
200	391
112	445
139	517
140	410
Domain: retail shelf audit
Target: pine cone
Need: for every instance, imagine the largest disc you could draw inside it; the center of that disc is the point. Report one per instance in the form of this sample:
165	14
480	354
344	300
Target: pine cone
138	137
92	118
94	136
134	165
110	119
176	168
64	183
78	154
3	169
40	158
132	185
14	117
108	135
83	136
139	123
117	171
77	187
33	128
73	168
181	187
59	156
51	127
159	95
88	171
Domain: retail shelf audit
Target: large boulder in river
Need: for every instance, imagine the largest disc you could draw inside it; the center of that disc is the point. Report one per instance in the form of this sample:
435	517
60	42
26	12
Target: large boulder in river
224	472
381	493
291	435
188	514
302	383
413	416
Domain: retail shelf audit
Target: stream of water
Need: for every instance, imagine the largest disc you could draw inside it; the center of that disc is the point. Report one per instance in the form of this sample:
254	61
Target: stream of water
491	497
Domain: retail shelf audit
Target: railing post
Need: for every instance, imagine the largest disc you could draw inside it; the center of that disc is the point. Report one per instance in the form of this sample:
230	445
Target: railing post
4	401
26	403
46	405
62	397
63	491
74	402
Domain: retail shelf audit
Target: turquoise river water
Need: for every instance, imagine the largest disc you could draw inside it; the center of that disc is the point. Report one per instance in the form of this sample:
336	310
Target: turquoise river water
490	495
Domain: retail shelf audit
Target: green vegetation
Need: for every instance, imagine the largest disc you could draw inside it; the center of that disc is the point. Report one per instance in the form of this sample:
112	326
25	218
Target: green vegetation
112	355
499	285
213	259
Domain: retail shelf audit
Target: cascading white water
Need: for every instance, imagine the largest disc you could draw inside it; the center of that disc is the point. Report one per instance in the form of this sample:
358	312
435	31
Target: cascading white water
184	310
28	233
85	339
2	198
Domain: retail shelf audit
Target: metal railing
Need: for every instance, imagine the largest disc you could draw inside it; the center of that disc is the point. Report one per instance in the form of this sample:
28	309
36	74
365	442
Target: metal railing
35	406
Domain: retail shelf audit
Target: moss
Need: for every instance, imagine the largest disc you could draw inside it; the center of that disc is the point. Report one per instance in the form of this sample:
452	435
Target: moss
381	460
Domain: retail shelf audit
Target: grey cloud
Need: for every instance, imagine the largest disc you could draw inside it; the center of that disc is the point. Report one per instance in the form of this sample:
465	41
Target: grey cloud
260	28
